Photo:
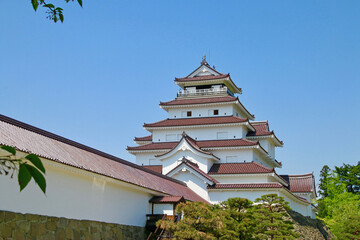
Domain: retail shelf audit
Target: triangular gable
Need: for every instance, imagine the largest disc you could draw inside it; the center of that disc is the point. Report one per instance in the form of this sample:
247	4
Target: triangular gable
187	165
187	143
203	70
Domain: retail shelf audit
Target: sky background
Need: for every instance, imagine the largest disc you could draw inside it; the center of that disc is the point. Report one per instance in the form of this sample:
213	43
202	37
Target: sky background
97	77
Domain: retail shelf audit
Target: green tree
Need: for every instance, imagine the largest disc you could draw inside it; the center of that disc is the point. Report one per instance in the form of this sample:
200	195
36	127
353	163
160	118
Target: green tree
200	221
26	167
53	13
273	218
340	209
324	176
350	175
236	218
240	217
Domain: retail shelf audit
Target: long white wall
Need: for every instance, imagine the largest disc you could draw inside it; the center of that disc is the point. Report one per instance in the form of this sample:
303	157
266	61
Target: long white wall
200	133
75	193
246	178
206	111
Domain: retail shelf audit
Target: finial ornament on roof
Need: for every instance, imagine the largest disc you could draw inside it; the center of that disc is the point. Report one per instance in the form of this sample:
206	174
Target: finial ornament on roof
204	62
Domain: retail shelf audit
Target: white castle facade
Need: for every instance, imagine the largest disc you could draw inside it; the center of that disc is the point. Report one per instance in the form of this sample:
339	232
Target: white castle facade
209	149
211	142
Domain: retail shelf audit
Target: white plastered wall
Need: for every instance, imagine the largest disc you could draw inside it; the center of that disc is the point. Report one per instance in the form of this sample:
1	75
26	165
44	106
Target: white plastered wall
77	194
199	133
174	160
148	158
205	111
217	196
194	182
241	178
164	208
268	146
234	155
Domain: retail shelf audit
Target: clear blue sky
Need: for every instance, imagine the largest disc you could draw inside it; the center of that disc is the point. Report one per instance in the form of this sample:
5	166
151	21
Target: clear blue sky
101	74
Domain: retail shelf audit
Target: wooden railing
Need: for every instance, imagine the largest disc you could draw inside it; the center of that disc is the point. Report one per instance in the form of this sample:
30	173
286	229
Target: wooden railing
200	92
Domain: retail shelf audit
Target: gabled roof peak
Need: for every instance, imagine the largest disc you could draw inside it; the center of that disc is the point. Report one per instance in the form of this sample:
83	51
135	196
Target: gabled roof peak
204	62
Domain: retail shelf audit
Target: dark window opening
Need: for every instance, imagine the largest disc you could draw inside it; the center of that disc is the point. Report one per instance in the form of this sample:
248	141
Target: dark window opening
188	114
216	112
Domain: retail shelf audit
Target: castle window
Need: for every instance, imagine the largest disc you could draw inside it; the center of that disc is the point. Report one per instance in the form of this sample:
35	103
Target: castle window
188	114
216	111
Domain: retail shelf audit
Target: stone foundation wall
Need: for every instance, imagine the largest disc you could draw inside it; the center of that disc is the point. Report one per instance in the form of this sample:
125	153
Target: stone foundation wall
17	226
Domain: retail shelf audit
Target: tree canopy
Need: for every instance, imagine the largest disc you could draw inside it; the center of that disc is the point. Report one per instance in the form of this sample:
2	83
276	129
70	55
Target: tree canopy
236	218
339	204
53	13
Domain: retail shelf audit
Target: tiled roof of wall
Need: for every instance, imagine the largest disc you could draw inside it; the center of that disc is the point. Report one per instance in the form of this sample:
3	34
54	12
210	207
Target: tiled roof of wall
198	101
300	183
196	121
27	138
239	168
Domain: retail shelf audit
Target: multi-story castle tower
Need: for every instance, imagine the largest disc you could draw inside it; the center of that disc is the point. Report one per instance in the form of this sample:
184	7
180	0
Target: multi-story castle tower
211	142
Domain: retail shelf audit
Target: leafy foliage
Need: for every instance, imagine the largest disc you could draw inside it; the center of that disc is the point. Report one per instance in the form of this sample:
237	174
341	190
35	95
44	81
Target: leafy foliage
240	217
350	175
27	167
273	219
53	13
236	218
339	208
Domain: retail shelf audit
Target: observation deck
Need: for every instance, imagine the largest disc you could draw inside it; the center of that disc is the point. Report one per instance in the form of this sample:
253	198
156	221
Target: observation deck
204	92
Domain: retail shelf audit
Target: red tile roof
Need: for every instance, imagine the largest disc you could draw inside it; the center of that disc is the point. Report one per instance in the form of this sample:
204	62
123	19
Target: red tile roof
226	143
252	186
195	168
155	168
147	138
196	121
200	144
27	138
200	78
166	199
261	129
192	142
239	168
245	185
198	101
300	183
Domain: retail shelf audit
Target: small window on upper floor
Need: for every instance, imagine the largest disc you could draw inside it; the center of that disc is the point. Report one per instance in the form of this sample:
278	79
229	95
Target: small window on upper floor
216	112
188	113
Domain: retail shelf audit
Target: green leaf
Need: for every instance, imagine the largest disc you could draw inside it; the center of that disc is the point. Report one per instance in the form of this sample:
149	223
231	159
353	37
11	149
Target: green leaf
9	149
36	161
38	177
24	176
49	5
61	17
59	9
35	4
80	2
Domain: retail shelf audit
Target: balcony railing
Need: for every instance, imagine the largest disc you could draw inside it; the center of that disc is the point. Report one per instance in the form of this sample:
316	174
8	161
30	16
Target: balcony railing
202	92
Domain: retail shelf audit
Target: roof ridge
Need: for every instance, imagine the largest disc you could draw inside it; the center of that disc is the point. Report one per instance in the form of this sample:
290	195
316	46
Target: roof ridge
259	122
67	141
197	169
